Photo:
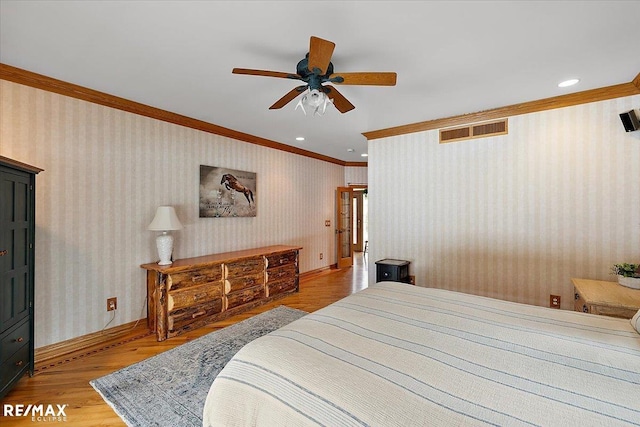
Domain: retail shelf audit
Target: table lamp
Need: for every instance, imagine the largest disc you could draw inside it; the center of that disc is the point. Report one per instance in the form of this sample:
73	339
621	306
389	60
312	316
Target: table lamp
165	221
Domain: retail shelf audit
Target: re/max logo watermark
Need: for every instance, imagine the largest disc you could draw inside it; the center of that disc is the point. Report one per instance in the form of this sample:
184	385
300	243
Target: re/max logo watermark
40	412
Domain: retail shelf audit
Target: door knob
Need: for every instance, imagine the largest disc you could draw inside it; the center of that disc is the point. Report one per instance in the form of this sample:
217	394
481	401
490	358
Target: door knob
3	252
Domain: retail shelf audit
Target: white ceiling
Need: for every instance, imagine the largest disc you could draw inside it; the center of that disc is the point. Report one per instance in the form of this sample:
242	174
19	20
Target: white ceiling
452	57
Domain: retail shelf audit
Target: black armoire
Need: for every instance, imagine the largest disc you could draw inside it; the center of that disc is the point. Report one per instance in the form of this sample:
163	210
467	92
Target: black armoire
17	246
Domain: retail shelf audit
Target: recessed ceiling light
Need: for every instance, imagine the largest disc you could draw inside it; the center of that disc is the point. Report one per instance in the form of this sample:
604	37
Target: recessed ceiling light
300	138
568	83
364	155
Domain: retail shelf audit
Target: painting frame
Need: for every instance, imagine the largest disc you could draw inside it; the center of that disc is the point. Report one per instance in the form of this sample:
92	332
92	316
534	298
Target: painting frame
227	193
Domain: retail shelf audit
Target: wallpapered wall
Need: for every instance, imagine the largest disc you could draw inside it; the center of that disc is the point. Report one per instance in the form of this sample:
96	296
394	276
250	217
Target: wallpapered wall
106	171
355	175
513	217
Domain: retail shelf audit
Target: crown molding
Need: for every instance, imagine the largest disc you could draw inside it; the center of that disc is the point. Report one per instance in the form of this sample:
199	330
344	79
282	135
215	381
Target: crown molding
39	81
568	100
636	81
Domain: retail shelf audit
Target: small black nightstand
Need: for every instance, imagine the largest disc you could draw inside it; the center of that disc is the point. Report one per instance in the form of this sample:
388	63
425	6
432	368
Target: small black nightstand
394	270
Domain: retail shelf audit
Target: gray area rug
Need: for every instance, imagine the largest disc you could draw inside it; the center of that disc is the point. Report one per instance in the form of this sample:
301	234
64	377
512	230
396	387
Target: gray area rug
169	389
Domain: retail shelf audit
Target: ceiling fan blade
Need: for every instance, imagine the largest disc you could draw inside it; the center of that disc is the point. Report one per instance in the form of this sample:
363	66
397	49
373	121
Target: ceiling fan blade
265	73
320	52
374	79
339	101
290	96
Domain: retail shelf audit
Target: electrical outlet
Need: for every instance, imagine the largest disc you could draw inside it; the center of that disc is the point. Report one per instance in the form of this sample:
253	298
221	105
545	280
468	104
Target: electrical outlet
554	301
327	223
321	255
112	304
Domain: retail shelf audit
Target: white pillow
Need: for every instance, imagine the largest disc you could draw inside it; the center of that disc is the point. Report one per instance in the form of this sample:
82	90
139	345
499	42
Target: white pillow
635	322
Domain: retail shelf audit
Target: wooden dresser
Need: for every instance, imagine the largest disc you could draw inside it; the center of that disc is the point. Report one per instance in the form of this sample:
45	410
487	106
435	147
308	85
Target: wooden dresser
605	298
192	292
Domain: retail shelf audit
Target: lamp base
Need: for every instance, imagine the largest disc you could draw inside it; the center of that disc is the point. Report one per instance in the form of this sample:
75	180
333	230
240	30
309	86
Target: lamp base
164	243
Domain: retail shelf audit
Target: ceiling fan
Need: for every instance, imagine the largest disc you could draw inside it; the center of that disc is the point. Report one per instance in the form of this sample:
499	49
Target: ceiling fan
316	70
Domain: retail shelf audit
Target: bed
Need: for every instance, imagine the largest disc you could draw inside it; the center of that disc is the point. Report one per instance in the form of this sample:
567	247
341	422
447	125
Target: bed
401	355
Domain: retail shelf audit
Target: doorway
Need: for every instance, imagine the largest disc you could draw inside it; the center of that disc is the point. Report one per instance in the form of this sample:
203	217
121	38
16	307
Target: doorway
360	210
351	223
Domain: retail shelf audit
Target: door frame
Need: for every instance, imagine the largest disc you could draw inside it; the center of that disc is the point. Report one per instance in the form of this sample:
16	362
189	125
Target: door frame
343	227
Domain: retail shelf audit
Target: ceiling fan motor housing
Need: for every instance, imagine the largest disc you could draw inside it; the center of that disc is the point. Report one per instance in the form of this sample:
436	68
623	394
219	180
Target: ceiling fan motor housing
313	78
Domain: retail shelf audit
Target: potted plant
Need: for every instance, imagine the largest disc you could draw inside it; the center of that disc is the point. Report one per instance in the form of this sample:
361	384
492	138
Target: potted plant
628	274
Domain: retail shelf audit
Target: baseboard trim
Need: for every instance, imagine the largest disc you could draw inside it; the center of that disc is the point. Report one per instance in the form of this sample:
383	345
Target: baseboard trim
66	351
312	274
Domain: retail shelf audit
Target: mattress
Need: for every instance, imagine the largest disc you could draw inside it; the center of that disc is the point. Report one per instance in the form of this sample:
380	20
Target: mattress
401	355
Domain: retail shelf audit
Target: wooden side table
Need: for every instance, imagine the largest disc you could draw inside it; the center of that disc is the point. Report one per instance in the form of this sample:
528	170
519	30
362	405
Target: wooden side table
605	298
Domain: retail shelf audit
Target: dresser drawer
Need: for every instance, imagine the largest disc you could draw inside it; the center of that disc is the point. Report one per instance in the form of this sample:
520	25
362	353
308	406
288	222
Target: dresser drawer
245	267
281	286
234	284
195	277
277	260
15	365
13	340
179	319
195	295
604	310
239	298
287	271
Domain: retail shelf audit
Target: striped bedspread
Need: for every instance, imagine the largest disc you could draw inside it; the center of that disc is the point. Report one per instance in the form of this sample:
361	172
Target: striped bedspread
401	355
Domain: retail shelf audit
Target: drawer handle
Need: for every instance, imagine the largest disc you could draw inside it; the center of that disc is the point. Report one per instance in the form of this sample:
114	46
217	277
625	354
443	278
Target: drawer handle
585	309
577	297
196	297
19	339
198	314
198	278
19	363
3	252
283	260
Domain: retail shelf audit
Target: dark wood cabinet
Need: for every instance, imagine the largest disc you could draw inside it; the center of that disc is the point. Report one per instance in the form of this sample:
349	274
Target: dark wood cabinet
17	246
393	270
192	292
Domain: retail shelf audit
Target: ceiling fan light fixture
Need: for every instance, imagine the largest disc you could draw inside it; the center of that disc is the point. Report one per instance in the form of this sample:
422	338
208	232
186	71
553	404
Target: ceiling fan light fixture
314	100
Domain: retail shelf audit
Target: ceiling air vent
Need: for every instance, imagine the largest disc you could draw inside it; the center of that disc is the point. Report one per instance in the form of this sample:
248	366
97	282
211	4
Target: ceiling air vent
478	130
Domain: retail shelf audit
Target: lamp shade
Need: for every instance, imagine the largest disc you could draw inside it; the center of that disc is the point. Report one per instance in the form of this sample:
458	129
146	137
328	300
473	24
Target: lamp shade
315	100
165	220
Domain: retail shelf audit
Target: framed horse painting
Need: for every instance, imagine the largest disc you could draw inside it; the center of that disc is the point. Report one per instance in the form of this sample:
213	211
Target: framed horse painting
227	192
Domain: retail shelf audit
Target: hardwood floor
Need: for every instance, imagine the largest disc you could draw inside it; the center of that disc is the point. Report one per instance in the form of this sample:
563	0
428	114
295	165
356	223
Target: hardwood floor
66	381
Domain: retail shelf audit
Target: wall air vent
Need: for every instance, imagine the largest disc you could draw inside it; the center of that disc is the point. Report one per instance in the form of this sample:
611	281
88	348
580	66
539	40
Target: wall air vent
477	130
